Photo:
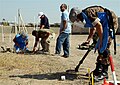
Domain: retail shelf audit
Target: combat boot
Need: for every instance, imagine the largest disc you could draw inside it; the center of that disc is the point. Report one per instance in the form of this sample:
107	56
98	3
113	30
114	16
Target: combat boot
97	73
98	69
105	71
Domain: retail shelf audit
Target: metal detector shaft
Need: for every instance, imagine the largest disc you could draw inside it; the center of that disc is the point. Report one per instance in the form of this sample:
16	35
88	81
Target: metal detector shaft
95	38
81	61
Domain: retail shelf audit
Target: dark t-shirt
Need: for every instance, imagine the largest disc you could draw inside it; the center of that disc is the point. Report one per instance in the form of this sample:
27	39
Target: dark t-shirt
44	21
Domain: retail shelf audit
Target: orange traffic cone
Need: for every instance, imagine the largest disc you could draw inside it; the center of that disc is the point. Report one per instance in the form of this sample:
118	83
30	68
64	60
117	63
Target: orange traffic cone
111	83
105	82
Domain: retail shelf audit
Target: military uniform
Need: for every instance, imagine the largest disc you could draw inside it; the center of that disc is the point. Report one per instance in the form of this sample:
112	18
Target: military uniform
91	15
45	35
92	11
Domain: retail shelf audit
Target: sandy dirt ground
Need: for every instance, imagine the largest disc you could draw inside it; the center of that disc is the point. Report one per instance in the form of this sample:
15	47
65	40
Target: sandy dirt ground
41	69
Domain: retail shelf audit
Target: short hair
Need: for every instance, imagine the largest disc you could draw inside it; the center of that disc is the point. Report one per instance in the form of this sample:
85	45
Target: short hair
34	32
22	33
64	6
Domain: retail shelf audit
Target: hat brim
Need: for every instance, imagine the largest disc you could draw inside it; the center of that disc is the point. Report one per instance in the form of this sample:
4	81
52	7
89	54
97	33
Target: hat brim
73	14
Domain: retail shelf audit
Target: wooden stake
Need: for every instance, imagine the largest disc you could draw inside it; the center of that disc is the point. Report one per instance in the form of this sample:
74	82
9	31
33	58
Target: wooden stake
2	33
92	78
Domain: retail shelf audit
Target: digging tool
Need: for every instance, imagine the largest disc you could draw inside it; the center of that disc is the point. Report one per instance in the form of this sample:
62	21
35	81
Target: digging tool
95	38
3	48
6	49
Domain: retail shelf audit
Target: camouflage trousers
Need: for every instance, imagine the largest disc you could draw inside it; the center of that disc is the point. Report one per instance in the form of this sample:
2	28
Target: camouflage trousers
104	57
45	45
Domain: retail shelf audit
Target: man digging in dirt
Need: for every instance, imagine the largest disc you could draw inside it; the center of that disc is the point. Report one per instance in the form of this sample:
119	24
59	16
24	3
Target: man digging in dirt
103	21
45	36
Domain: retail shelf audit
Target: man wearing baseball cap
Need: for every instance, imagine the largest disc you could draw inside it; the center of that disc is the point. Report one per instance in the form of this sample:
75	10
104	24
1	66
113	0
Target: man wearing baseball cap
44	23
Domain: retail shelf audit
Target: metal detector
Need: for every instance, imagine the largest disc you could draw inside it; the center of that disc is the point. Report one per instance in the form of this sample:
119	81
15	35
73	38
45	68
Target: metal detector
95	37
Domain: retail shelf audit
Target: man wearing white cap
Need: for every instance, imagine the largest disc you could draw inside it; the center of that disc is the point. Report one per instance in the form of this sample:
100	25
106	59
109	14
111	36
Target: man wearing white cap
44	23
103	21
43	35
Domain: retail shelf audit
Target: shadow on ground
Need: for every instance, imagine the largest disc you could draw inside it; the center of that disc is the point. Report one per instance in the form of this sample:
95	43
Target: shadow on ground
52	76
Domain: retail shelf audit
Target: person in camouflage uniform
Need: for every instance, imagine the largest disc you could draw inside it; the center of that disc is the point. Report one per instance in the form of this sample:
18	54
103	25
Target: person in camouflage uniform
94	18
44	36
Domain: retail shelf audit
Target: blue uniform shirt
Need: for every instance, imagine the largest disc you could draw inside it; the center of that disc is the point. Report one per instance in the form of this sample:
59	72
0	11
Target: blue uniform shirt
21	41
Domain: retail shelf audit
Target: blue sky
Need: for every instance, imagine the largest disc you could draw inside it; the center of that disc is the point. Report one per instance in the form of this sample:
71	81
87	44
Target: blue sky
30	8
